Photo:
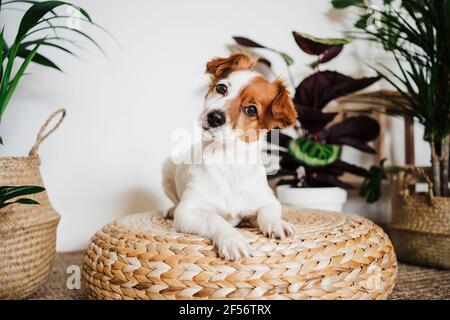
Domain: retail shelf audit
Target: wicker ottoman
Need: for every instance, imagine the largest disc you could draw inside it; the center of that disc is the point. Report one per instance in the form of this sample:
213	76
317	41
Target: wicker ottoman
332	256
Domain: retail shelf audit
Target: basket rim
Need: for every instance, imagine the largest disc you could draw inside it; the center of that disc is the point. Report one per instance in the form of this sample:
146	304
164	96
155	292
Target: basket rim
399	228
422	194
22	158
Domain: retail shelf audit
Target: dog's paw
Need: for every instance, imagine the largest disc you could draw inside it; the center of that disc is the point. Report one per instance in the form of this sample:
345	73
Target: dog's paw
233	246
278	229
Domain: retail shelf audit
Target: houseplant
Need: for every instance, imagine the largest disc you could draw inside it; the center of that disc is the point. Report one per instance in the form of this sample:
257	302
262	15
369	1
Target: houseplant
310	163
416	33
28	232
9	195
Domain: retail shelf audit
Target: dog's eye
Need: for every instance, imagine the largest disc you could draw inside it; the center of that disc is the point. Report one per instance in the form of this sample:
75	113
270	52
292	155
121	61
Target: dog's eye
251	111
221	89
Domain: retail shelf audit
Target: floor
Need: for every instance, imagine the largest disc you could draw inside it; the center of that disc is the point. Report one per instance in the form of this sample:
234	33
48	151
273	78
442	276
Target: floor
413	282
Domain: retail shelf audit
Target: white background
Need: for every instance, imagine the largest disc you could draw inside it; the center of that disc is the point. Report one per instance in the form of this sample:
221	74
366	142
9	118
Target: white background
104	162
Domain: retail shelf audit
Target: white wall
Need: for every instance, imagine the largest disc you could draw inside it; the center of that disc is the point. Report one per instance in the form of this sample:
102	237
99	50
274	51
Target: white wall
104	161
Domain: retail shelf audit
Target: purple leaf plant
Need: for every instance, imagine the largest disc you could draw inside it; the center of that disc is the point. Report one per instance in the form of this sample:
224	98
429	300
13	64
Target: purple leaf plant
317	143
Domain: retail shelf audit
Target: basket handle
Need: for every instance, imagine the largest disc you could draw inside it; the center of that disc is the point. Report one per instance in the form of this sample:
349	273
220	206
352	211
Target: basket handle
43	133
419	171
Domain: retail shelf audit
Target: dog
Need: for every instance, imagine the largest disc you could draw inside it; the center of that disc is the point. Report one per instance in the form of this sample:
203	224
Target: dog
212	198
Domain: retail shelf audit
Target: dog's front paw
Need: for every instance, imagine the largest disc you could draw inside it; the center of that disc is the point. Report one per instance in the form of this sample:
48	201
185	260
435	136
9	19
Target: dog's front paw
278	229
232	246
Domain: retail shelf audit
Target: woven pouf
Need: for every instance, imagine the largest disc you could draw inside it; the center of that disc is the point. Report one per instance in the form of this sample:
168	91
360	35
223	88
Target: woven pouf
331	256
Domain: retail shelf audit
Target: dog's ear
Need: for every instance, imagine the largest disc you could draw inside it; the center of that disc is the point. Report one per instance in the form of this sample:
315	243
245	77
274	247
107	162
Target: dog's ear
282	113
222	67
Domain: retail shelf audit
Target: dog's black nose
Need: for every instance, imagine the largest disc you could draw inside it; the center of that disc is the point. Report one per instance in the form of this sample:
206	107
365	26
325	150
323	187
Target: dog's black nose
216	118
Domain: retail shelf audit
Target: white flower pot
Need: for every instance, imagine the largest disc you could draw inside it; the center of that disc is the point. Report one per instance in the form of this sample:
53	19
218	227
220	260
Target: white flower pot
314	198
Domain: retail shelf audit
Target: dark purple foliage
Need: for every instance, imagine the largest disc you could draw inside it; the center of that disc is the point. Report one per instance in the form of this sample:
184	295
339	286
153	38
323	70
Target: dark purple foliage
277	137
265	62
348	167
252	44
321	87
247	42
330	54
313	120
311	47
325	178
288	163
354	132
311	96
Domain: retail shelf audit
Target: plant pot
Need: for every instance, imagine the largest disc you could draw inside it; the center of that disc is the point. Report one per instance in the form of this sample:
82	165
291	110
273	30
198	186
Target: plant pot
332	199
27	232
420	230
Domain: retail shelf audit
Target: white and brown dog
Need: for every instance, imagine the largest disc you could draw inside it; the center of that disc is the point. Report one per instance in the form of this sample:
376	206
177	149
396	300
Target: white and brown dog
211	198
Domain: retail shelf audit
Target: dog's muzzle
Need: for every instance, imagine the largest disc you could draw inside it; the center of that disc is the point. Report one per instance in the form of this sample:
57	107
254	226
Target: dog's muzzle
216	118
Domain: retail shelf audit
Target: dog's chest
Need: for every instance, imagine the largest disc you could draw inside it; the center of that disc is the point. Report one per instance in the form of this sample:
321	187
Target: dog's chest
235	189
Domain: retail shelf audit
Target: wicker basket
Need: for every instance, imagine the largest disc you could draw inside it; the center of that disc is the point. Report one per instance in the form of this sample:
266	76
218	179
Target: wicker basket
331	256
27	232
420	227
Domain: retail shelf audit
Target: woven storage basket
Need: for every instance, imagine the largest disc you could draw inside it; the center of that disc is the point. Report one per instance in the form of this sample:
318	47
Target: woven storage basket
420	227
27	232
331	256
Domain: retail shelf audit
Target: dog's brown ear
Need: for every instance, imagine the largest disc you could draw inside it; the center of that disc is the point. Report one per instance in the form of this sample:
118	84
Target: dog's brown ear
282	110
222	67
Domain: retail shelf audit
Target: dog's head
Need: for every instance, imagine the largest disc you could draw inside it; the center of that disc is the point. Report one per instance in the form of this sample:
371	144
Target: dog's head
241	103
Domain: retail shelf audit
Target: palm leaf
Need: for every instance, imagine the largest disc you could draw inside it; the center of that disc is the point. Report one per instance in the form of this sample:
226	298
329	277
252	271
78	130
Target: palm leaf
9	192
38	58
37	11
9	89
84	35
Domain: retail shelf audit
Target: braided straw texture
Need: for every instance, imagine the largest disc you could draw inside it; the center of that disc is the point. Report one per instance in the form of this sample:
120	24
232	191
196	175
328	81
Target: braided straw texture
331	256
420	230
27	232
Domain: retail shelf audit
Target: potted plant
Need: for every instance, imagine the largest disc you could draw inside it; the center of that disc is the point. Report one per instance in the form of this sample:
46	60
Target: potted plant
310	164
28	230
416	33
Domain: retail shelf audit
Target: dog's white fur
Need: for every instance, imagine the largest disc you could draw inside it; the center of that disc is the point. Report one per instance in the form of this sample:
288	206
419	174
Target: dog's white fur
210	197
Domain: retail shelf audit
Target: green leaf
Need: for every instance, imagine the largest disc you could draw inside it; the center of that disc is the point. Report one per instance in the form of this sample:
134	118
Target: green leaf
26	44
72	30
9	192
361	23
312	153
289	61
12	87
1	141
37	58
341	4
6	77
26	201
37	11
21	201
371	187
327	41
38	14
3	50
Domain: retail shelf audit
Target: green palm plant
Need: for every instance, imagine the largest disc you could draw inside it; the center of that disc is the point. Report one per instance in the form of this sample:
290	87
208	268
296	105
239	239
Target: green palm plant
417	33
39	27
8	194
